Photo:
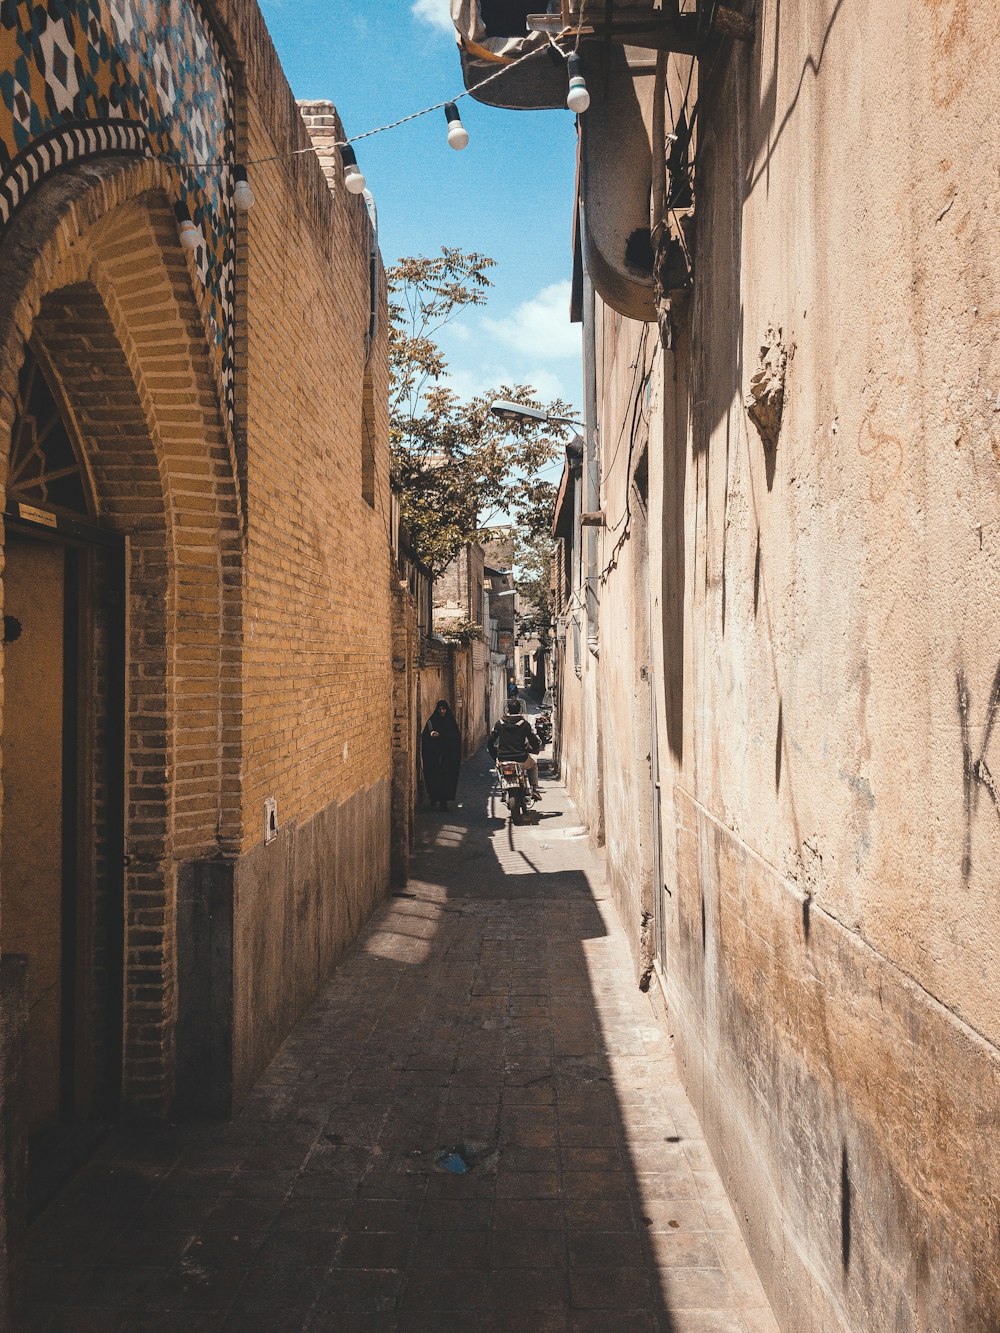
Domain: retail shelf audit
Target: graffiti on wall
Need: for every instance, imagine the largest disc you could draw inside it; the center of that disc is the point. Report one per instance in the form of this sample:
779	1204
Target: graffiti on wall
92	78
976	775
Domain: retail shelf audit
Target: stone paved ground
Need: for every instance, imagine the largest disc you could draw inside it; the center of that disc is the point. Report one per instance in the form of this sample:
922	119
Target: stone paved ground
491	1010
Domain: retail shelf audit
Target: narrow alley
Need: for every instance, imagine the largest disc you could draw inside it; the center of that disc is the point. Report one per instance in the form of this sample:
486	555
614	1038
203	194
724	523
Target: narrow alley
477	1125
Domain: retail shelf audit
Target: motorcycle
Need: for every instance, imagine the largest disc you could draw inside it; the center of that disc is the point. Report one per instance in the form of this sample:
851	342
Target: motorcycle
515	790
543	728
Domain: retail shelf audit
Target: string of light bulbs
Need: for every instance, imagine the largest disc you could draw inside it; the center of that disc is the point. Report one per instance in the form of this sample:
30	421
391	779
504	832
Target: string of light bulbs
577	101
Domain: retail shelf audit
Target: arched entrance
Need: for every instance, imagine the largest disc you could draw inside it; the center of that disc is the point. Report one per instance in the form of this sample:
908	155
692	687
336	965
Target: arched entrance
60	857
123	539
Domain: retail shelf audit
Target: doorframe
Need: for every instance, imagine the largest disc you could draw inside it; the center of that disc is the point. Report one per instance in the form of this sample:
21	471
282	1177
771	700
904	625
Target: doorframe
49	525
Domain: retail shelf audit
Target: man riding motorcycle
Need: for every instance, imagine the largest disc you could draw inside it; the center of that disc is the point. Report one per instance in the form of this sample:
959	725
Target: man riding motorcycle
513	738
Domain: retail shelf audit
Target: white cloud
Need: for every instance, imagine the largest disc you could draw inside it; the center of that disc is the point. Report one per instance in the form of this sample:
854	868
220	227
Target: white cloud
540	327
437	13
467	381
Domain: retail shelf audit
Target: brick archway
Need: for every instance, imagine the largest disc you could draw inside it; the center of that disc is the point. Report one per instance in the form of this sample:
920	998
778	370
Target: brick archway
93	274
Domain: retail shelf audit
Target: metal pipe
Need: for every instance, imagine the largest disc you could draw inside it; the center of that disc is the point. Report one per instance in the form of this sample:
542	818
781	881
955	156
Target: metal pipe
592	462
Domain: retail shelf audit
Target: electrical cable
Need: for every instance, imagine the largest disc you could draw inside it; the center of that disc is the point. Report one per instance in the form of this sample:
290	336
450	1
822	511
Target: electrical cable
624	522
222	162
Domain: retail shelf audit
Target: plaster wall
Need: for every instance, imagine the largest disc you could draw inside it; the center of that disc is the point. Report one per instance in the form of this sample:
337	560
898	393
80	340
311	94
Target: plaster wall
625	366
831	798
579	759
825	629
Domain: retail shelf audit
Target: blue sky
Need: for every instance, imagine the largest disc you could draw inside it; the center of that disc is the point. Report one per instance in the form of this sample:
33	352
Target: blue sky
508	195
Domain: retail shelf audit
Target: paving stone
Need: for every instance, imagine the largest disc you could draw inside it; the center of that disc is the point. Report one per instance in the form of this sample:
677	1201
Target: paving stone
599	1215
493	1014
528	1249
682	1249
605	1249
444	1289
451	1250
696	1288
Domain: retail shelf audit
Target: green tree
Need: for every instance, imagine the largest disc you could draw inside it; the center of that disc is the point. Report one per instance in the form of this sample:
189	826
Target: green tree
533	554
456	465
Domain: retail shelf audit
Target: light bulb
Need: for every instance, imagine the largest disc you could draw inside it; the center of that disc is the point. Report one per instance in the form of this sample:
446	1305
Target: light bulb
190	235
243	195
578	98
458	135
189	231
354	180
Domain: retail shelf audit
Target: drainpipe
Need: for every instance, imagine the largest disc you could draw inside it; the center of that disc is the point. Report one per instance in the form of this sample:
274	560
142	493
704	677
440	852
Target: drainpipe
591	462
592	488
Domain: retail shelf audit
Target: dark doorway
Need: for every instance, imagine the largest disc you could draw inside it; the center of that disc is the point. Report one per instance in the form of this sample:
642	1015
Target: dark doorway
61	861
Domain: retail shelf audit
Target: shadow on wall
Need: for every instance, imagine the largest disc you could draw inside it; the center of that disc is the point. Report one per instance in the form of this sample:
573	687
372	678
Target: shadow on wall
765	129
739	91
675	397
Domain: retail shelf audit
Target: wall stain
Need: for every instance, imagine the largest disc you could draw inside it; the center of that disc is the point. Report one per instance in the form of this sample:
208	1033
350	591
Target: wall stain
861	786
952	46
886	448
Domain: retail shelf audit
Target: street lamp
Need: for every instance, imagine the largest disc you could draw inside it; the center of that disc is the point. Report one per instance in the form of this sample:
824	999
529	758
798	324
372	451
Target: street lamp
510	411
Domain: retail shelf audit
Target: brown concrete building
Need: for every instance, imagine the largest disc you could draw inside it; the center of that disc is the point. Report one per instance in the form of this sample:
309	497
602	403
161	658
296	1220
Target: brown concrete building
778	681
460	673
498	545
196	732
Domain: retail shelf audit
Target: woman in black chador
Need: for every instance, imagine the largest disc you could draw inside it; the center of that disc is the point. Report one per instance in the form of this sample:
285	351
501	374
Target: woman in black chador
441	752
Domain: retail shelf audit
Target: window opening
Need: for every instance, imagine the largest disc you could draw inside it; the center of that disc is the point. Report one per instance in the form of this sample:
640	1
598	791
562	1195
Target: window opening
44	466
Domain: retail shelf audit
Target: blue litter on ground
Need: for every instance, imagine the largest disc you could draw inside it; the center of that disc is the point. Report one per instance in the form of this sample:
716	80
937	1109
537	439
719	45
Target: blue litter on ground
454	1162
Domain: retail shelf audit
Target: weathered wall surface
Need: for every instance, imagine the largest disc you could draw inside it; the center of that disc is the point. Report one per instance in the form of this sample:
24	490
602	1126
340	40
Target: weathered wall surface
625	365
826	622
316	723
579	763
298	902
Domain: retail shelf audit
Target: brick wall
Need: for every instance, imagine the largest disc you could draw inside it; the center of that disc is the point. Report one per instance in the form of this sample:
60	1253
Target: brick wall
458	589
258	645
317	565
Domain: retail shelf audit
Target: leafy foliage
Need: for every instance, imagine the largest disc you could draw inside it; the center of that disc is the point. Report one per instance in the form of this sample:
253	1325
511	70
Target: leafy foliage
456	465
462	631
534	552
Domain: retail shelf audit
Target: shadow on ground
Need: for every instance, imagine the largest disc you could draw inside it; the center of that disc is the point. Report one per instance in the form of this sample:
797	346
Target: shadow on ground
487	1020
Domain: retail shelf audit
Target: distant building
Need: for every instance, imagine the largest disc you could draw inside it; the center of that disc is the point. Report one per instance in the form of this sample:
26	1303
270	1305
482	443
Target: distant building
498	549
461	622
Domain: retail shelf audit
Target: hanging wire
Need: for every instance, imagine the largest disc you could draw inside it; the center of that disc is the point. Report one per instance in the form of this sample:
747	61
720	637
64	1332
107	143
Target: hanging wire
222	162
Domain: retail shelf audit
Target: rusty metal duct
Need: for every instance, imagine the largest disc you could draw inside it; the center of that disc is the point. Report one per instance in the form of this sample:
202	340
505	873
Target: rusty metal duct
617	40
615	179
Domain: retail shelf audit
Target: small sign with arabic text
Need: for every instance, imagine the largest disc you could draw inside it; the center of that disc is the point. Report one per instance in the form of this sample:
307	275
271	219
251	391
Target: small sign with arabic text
32	515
